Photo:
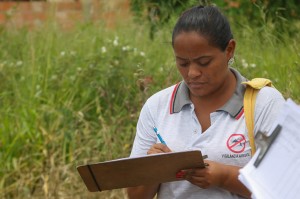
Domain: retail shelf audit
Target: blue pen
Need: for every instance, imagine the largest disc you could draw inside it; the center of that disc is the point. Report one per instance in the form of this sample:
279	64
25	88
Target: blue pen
158	135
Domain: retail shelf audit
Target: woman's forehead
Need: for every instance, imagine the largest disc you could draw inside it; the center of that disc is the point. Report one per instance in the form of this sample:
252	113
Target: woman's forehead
193	45
190	35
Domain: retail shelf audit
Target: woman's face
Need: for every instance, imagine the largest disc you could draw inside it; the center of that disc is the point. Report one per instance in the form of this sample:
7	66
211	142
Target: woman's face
203	67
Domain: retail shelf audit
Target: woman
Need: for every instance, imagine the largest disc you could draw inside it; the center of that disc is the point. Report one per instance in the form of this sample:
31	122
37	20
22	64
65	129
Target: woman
204	112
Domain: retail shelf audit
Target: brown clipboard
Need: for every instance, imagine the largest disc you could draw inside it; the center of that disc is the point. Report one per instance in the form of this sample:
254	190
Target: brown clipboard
146	170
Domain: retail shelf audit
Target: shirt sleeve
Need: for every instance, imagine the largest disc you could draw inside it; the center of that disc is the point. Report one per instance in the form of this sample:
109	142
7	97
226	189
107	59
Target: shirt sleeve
145	136
269	102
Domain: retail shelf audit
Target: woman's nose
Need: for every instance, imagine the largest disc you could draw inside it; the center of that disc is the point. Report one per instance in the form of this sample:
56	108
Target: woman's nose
194	71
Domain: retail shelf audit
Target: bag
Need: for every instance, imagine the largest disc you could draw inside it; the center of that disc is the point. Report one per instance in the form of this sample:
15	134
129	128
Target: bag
252	88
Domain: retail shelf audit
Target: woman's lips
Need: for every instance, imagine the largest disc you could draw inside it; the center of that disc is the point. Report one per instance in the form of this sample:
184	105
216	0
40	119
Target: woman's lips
196	85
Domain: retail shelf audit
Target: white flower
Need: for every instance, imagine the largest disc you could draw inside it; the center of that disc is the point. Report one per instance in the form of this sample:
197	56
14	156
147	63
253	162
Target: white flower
79	69
19	63
103	49
116	62
62	53
253	65
142	54
126	48
72	78
245	65
80	114
54	77
115	42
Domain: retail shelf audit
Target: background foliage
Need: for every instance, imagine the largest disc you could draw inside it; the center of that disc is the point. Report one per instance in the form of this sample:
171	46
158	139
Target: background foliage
68	98
279	13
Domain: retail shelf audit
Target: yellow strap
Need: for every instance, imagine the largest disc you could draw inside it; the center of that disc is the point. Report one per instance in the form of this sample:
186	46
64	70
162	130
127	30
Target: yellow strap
258	83
252	88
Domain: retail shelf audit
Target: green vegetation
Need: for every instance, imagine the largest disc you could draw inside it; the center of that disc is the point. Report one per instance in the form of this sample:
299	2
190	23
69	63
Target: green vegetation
279	13
68	98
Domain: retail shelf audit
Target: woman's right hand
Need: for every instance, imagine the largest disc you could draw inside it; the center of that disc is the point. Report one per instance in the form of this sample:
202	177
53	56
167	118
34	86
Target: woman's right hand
158	148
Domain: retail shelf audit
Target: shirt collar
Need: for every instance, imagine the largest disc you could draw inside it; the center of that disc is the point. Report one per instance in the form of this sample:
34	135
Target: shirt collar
234	106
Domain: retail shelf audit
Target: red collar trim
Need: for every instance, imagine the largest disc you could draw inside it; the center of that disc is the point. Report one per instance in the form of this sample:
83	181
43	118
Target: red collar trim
173	98
240	113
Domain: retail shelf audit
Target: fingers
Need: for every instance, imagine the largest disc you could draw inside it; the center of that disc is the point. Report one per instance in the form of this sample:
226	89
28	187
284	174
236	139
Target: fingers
186	174
159	148
199	181
195	176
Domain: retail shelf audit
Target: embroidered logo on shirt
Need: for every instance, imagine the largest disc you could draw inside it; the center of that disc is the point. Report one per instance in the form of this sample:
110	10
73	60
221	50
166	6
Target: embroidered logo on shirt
236	143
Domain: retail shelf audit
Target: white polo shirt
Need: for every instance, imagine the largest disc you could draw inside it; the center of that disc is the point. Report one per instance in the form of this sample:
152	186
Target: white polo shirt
225	141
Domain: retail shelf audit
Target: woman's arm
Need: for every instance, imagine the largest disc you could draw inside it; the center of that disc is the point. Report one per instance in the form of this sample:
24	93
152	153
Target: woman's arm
231	182
220	175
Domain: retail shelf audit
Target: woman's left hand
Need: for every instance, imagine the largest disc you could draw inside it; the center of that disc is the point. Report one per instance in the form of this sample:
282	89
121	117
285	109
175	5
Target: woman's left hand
216	175
211	175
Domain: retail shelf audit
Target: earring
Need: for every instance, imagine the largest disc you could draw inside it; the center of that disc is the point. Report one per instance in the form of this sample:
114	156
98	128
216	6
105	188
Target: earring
230	61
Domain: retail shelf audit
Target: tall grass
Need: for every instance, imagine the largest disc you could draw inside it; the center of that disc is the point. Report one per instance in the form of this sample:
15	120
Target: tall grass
266	51
69	98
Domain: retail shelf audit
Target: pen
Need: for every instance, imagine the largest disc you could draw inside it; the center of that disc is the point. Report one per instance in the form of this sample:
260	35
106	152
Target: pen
158	135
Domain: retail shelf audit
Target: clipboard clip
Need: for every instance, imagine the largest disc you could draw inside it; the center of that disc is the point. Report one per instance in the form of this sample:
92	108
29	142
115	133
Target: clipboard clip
264	142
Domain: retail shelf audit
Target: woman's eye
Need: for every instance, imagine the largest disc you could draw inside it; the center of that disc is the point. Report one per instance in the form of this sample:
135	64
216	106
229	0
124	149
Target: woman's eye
204	63
183	64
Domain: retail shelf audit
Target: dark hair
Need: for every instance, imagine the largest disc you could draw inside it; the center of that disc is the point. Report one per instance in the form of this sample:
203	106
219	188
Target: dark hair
207	21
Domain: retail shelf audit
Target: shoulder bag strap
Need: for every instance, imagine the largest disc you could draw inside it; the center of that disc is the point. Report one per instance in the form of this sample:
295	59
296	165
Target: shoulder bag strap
252	88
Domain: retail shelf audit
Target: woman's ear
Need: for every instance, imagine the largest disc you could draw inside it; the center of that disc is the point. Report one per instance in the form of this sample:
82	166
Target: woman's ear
230	48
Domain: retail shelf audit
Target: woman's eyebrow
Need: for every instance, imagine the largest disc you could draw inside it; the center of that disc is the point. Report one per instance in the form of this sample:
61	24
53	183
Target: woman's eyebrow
184	59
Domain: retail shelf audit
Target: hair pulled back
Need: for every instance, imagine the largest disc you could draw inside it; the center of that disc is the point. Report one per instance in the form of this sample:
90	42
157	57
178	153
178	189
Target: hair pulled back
208	22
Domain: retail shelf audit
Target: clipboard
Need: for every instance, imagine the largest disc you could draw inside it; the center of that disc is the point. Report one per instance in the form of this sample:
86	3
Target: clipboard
265	142
146	170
